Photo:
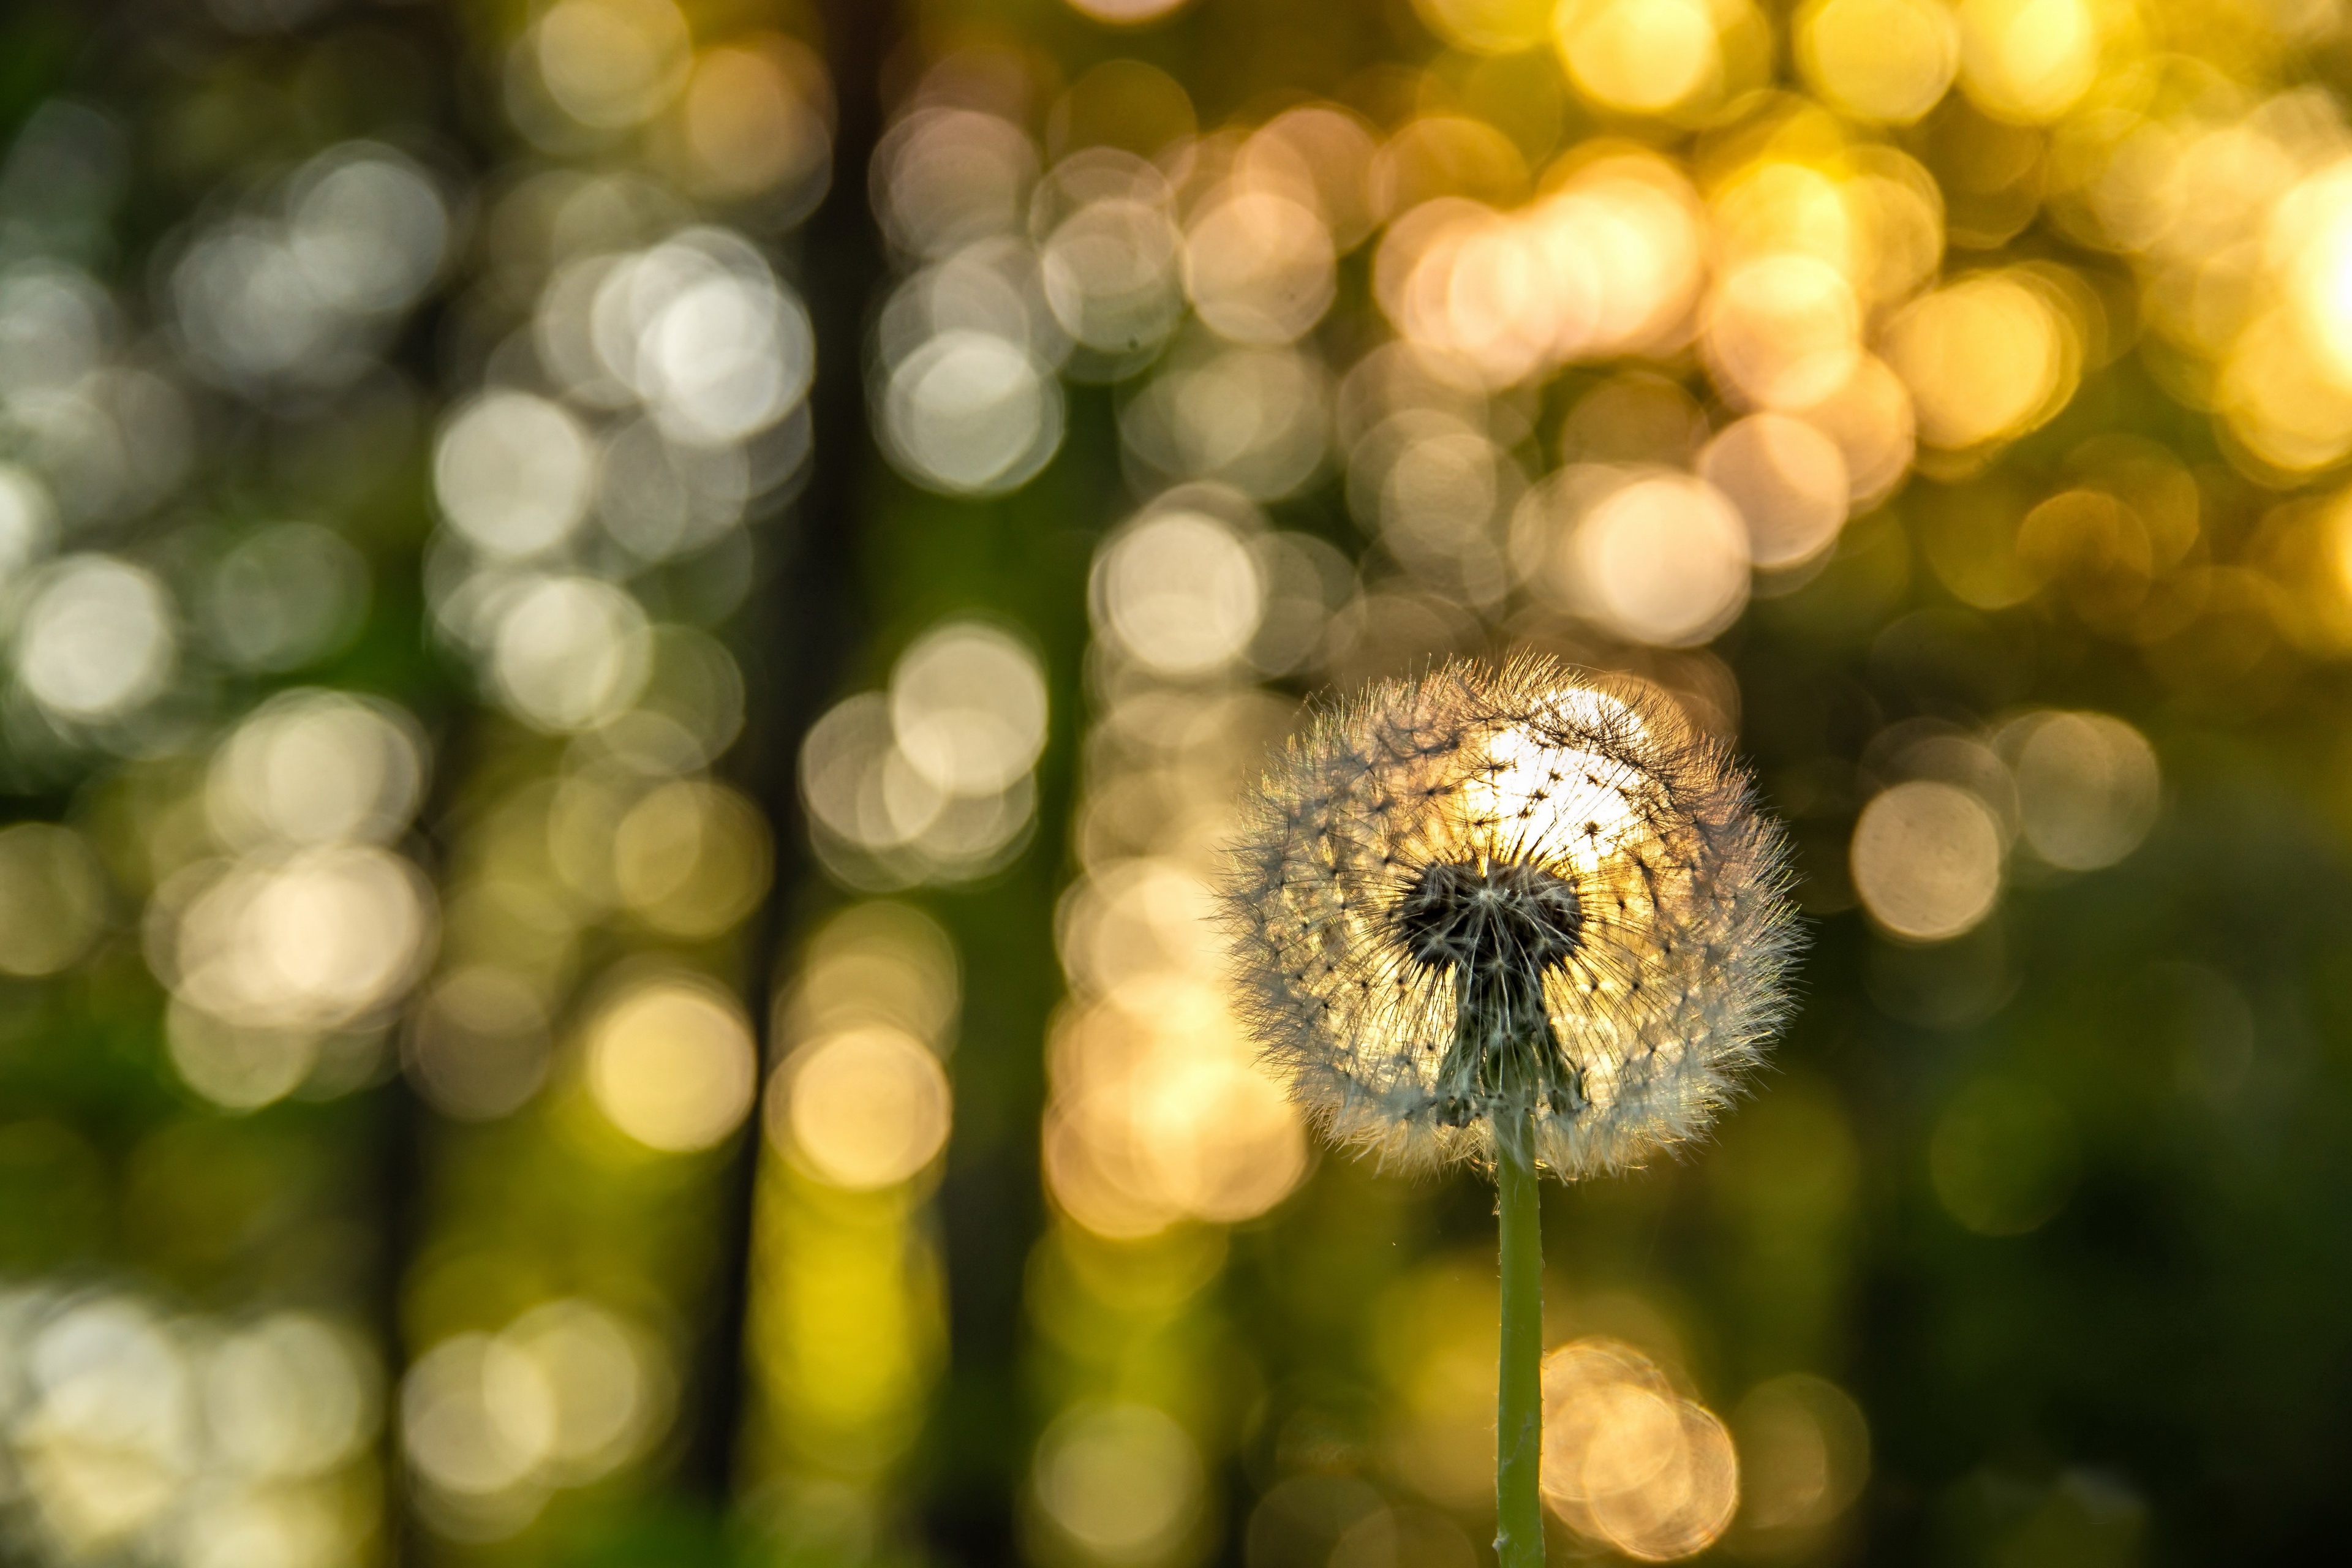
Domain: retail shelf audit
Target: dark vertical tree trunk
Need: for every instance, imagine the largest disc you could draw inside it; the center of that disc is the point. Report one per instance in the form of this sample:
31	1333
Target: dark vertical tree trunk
801	625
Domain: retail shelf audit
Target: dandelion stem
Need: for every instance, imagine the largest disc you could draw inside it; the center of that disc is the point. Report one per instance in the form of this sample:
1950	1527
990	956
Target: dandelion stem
1518	1429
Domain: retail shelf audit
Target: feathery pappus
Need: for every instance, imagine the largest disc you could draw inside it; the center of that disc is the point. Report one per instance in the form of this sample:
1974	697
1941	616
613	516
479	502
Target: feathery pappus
1496	893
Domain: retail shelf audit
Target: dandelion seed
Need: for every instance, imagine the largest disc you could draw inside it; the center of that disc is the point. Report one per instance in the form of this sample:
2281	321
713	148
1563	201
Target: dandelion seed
1583	923
1523	917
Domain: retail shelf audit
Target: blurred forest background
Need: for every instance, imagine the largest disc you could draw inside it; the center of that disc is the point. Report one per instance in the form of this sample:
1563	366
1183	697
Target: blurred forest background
627	629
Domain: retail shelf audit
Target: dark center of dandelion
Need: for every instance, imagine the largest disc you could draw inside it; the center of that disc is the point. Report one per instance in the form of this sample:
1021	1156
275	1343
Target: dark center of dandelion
1500	914
1499	929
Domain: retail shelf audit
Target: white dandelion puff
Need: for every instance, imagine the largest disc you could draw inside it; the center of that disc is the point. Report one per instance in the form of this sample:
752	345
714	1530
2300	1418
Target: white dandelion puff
1496	905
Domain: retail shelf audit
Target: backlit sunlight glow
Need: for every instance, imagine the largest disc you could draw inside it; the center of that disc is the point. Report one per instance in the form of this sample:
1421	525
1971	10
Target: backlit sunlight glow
129	1428
670	1063
843	1328
1122	1482
1987	358
612	63
2088	787
1628	1462
372	403
1157	1114
2029	60
1162	1114
1789	482
1929	856
1180	592
1661	560
930	781
1640	57
491	1424
868	1107
287	955
1591	814
755	123
1888	61
415	465
1259	267
97	640
1927	859
1604	265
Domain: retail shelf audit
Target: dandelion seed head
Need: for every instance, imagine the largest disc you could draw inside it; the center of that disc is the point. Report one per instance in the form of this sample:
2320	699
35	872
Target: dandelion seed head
1492	894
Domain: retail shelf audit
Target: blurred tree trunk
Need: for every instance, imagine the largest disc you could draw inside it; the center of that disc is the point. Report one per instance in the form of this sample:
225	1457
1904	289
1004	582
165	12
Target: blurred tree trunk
801	626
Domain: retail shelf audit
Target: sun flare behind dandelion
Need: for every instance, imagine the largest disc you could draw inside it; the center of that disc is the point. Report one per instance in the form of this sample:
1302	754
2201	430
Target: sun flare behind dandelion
1491	899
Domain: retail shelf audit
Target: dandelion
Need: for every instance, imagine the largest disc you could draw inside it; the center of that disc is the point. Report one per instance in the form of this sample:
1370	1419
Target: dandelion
1524	905
1525	919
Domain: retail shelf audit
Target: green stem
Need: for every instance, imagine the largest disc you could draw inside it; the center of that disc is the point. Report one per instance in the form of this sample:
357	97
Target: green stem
1518	1427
